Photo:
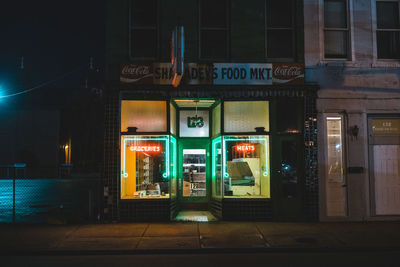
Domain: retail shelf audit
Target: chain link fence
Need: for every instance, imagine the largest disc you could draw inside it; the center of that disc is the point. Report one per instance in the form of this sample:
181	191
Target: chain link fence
47	200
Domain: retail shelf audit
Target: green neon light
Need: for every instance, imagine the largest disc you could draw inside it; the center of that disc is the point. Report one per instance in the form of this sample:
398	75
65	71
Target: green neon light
215	155
166	174
250	138
224	167
165	139
147	138
245	139
173	141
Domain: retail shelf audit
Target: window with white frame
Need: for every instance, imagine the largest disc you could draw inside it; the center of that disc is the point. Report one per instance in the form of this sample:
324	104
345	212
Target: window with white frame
214	29
143	29
280	29
388	29
336	29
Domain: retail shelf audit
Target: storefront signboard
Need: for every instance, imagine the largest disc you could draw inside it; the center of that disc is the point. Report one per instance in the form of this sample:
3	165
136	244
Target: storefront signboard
194	124
388	126
231	73
195	121
217	73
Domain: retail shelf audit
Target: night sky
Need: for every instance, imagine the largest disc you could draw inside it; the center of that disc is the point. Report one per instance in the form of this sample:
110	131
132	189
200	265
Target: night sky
54	37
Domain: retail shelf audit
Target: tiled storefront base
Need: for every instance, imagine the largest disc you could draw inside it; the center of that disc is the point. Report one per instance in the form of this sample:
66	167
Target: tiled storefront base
145	210
247	209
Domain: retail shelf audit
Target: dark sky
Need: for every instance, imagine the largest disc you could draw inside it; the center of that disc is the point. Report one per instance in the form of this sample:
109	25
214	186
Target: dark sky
54	37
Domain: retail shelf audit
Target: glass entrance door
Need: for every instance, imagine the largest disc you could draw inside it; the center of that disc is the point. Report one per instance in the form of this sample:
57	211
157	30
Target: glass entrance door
194	170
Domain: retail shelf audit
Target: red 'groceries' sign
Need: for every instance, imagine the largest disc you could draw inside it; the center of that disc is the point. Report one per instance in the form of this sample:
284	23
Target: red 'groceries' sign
145	148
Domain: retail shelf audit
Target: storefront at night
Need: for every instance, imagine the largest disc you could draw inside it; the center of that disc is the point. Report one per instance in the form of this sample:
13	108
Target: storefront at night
235	139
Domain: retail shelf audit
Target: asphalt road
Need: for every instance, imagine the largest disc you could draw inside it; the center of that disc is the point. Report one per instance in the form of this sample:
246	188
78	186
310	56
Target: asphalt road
359	258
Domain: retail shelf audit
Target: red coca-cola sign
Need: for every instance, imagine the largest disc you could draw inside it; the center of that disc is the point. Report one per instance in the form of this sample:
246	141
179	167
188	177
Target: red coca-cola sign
136	73
287	73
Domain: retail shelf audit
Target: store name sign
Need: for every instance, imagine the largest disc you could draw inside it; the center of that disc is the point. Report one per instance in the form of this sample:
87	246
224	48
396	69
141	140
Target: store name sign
193	122
231	73
245	147
217	73
145	148
386	126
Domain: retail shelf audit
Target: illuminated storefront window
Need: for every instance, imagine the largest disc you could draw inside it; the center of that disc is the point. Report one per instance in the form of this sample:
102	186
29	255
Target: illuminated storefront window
246	166
145	116
146	166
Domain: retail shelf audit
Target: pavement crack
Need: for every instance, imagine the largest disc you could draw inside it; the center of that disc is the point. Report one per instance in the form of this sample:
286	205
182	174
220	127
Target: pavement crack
262	236
141	237
199	236
66	236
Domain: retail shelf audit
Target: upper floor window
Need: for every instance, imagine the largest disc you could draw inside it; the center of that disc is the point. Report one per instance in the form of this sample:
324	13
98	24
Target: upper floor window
388	29
214	29
143	29
336	29
280	29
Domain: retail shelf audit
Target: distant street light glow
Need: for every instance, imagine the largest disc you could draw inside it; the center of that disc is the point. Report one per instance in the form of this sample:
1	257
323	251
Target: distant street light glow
2	93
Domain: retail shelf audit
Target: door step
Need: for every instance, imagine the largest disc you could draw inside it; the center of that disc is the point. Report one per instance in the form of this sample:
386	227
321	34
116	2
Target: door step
195	216
195	206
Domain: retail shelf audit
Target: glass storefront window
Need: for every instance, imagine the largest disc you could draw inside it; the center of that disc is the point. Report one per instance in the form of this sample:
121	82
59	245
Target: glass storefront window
146	116
289	118
335	191
216	167
246	166
335	157
145	167
216	121
172	119
245	116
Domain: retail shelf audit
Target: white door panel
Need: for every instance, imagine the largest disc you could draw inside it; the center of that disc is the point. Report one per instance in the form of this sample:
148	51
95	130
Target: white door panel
387	179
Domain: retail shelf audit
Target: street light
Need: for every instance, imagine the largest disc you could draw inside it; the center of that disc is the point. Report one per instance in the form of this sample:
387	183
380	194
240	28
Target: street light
2	93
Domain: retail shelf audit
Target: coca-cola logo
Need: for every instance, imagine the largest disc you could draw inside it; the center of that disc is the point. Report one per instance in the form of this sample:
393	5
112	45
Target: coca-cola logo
135	70
136	73
288	71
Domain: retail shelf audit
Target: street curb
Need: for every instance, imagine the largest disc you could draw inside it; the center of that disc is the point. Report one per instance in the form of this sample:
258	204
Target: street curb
195	251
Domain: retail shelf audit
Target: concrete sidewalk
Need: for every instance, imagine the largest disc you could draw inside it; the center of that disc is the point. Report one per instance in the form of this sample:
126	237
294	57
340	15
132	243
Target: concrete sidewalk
197	237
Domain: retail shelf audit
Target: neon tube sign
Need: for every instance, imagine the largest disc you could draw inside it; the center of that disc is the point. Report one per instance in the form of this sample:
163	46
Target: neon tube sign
145	148
245	147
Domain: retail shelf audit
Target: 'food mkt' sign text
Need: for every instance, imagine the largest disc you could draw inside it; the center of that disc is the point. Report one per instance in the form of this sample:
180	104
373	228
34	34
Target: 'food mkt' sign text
217	73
